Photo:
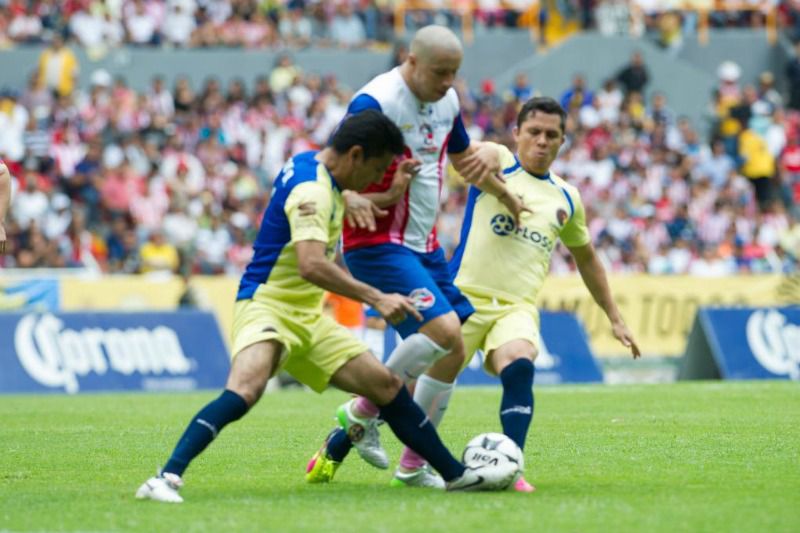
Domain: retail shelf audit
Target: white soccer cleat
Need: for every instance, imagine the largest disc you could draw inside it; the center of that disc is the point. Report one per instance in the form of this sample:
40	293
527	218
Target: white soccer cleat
364	434
423	477
161	488
485	477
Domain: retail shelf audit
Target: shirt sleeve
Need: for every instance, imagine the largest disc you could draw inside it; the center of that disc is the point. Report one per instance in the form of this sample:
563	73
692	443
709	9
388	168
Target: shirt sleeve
363	102
308	209
575	233
507	160
459	138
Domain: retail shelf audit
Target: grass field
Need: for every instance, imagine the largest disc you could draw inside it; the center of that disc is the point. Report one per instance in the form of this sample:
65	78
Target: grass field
685	457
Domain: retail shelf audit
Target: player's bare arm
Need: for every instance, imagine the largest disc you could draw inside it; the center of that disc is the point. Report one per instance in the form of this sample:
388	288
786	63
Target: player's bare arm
316	268
360	211
480	165
5	199
594	277
406	170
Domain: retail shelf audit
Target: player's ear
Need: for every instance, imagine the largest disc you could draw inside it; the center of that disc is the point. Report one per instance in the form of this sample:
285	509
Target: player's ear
515	133
356	155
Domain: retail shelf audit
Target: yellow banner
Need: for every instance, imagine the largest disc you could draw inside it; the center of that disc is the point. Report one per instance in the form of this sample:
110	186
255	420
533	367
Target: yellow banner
659	310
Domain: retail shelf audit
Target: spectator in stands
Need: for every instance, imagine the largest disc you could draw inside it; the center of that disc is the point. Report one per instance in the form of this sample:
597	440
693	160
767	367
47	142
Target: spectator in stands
634	77
179	24
158	255
521	90
346	28
577	95
758	164
58	67
295	28
142	25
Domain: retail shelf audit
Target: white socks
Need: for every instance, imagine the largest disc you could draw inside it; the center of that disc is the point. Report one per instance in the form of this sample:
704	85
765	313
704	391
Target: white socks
414	356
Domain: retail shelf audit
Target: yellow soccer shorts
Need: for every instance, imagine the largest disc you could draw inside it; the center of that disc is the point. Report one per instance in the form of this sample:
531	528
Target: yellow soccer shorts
496	323
315	346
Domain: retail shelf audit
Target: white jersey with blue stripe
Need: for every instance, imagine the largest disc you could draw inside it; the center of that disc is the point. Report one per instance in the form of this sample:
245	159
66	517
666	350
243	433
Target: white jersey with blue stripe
430	130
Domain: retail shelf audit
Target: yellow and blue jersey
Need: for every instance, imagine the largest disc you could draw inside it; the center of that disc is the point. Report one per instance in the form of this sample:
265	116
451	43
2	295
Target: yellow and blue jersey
306	205
501	261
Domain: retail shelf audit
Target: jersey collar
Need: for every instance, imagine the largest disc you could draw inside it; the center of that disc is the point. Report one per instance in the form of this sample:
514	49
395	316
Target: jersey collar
545	177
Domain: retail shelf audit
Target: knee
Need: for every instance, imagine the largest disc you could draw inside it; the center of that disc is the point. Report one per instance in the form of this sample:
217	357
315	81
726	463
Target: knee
248	386
385	387
445	331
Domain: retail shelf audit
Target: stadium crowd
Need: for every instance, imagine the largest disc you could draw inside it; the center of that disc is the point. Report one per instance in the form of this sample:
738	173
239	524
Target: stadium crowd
100	25
176	178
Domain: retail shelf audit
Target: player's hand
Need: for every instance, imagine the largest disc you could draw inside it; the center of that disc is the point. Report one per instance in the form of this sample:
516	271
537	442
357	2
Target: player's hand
514	204
361	212
396	307
623	335
480	165
406	170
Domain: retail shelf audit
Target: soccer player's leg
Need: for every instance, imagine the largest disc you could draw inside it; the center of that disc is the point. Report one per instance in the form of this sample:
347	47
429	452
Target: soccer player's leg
257	349
511	348
434	388
331	347
365	376
394	268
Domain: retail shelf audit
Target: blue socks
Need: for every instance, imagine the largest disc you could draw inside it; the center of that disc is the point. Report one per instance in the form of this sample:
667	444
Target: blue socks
516	408
339	445
415	430
204	428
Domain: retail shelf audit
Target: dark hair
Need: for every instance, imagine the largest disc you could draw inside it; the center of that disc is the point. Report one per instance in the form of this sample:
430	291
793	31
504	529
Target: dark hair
545	104
371	130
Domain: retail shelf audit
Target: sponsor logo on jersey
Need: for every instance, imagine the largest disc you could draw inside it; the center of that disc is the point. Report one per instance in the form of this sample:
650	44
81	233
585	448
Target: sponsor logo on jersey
423	298
504	226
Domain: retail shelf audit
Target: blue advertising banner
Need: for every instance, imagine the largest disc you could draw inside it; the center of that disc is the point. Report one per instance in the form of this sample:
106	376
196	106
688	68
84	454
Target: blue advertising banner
743	343
564	354
29	295
80	352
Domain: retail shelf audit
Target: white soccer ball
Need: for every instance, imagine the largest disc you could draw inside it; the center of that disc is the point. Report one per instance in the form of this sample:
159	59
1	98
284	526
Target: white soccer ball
493	448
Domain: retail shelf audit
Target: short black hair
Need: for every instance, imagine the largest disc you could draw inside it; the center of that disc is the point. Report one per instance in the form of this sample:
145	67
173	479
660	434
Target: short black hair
545	104
371	130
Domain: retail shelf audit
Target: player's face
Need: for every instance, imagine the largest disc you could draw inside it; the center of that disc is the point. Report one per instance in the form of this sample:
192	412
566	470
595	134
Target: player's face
434	75
538	140
369	171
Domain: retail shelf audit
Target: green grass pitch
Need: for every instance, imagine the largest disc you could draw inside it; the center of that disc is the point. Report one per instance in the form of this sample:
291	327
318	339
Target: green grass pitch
684	457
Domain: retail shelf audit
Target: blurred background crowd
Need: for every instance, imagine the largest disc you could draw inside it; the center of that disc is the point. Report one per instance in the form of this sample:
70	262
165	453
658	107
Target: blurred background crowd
176	177
100	25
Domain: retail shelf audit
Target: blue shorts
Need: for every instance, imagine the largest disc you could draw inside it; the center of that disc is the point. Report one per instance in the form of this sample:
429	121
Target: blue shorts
423	277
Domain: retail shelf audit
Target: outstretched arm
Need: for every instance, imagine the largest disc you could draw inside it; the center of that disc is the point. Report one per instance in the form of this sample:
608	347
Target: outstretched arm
480	165
594	277
316	268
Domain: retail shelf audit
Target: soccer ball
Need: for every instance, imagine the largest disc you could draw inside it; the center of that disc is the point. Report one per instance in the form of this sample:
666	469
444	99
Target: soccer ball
492	448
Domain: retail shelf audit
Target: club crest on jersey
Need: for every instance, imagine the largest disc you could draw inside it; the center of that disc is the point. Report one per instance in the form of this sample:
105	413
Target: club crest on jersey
429	146
562	217
423	298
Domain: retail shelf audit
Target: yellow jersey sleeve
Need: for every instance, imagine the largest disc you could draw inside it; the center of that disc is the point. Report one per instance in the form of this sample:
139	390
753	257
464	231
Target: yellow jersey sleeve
575	233
507	159
308	209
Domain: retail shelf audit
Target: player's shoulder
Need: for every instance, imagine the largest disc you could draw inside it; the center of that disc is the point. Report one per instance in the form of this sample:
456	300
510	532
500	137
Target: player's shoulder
305	172
385	89
564	184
